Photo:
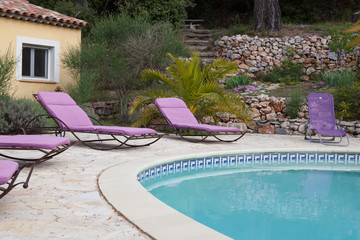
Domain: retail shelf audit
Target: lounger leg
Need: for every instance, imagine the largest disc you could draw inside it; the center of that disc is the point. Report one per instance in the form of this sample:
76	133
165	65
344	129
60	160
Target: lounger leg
26	183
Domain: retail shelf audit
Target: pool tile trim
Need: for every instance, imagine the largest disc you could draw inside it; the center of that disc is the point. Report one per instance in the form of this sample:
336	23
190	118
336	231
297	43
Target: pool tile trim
252	160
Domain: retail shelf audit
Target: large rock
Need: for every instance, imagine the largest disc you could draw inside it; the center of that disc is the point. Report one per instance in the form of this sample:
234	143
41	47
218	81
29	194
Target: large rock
271	116
277	106
241	126
281	131
267	128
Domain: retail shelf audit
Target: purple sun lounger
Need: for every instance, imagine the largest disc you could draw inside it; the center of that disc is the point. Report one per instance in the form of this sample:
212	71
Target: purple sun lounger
322	120
9	171
70	117
47	146
181	119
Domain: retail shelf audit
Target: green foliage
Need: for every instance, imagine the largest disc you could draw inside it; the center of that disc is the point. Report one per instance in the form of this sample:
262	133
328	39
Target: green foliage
338	78
294	103
157	10
354	29
84	88
289	72
340	39
309	11
240	29
239	80
7	68
347	101
73	9
290	51
115	53
16	113
79	11
198	86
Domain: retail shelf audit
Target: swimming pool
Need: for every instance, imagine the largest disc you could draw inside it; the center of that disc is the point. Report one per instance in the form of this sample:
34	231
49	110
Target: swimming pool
253	184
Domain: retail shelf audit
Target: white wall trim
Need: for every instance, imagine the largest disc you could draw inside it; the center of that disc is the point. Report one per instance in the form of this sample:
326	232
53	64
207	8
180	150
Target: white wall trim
53	60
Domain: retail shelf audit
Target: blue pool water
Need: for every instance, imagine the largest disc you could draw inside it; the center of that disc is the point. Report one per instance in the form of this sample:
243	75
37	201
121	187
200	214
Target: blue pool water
269	205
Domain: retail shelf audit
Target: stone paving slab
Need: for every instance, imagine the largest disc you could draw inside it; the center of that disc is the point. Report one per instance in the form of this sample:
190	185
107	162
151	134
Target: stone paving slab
63	200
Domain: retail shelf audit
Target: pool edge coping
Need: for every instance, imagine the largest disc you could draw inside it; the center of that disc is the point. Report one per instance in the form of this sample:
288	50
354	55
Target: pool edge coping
156	218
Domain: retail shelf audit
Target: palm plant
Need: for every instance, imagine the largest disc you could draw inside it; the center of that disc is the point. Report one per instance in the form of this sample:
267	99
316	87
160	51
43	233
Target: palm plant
356	28
197	85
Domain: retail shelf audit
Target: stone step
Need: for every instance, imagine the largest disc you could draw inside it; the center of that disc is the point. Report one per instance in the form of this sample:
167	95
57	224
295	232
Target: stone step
199	36
207	54
198	48
197	42
201	31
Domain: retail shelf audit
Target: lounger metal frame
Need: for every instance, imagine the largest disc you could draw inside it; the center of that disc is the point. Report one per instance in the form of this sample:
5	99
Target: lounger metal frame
12	181
215	134
326	140
60	131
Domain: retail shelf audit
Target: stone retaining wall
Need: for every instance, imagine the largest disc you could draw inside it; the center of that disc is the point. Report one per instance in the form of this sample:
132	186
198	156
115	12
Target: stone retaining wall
254	54
269	117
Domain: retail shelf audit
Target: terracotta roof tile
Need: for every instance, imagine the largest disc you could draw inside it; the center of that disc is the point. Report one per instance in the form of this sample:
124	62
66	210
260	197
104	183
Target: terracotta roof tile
23	10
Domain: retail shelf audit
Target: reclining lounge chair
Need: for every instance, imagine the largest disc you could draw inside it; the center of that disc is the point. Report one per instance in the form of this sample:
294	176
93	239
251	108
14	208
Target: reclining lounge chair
322	120
9	171
47	146
181	119
70	117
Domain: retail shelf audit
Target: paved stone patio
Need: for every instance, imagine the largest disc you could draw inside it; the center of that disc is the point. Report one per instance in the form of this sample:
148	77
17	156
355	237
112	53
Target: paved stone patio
63	200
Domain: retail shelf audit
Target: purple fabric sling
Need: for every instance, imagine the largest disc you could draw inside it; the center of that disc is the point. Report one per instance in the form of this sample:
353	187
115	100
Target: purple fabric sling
178	115
32	141
62	106
322	115
7	170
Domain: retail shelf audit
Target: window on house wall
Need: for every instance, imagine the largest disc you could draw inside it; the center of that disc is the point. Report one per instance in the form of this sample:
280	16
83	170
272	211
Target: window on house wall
38	60
35	62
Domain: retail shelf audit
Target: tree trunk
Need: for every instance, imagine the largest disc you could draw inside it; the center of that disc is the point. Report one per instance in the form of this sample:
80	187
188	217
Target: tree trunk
267	15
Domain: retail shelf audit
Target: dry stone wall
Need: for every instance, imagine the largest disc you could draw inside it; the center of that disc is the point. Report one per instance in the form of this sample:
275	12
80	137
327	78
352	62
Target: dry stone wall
269	117
254	54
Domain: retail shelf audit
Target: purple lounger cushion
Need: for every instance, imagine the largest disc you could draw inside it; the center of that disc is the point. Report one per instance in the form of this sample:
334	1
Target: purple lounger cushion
32	141
334	132
7	170
176	111
180	116
62	106
130	131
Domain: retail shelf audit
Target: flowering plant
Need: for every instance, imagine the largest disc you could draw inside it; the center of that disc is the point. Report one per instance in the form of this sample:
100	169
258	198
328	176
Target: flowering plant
246	88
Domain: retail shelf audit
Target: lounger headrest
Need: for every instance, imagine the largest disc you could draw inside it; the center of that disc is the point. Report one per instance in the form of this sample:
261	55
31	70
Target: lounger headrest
170	103
55	98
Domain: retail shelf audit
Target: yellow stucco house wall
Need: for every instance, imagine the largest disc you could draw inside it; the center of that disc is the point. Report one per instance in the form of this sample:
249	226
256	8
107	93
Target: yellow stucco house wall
49	34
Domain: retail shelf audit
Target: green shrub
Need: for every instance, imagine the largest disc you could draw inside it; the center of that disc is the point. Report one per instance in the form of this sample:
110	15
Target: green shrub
340	39
16	113
347	101
84	88
239	80
157	10
115	53
294	103
7	67
338	78
288	73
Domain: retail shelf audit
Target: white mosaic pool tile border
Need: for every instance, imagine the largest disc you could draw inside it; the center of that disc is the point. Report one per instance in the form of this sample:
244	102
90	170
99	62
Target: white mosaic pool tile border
244	160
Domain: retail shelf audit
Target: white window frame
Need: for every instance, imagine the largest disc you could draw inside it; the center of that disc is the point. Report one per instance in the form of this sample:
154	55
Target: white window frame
53	61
